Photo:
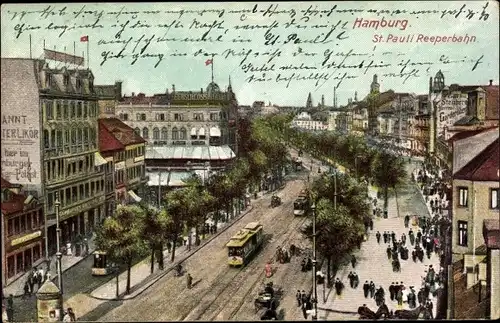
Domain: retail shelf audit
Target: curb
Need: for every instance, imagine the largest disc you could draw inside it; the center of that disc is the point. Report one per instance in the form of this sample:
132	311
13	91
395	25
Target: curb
54	278
162	274
336	311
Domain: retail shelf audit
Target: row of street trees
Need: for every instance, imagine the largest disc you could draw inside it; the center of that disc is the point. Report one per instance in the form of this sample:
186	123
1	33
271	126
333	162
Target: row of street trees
136	230
342	205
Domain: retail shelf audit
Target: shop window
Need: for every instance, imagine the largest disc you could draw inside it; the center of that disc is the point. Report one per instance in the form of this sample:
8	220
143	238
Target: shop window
34	220
19	261
27	259
10	227
16	225
22	218
11	268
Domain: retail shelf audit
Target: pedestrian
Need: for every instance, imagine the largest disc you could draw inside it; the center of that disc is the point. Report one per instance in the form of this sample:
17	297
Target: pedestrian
41	277
303	297
378	237
393	236
189	281
298	296
385	237
355	280
371	224
399	297
372	289
366	289
430	307
403	239
389	252
353	261
10	308
303	265
351	279
391	291
407	220
31	282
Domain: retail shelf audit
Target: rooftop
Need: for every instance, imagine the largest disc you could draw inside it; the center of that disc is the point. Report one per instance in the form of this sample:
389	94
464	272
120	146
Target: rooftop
182	152
115	135
483	167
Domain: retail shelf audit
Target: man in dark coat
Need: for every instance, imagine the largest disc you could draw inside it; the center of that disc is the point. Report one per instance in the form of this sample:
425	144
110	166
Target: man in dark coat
378	237
351	279
412	237
372	289
355	280
298	296
403	239
385	236
391	291
366	289
420	296
389	252
353	261
407	220
371	224
393	236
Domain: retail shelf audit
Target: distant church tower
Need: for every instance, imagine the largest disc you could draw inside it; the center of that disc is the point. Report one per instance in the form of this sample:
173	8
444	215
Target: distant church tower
309	103
438	82
375	87
323	101
355	96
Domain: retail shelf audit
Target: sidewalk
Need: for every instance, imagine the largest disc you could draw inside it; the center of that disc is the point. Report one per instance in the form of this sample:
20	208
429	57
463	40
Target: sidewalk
141	277
16	288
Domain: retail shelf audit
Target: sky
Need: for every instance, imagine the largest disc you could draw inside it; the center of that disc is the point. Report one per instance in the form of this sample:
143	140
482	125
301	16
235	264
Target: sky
190	72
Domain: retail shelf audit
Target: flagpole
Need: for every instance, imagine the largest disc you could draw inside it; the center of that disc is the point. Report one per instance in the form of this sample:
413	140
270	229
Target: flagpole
88	55
31	56
212	68
74	52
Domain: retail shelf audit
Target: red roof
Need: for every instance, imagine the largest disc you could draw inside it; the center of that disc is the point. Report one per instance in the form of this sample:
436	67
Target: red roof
484	167
5	183
115	135
14	204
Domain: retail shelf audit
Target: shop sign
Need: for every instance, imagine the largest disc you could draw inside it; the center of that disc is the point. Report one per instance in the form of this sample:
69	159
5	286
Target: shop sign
138	159
25	238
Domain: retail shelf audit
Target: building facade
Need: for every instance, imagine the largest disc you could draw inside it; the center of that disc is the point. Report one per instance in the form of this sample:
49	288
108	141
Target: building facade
183	118
304	121
109	96
62	161
22	232
125	170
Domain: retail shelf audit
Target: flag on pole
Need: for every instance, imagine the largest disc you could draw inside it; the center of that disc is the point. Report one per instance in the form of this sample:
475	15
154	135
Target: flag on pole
84	39
209	62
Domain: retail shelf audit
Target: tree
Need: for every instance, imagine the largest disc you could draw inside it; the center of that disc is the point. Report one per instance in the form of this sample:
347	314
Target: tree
155	225
120	237
337	233
176	204
388	171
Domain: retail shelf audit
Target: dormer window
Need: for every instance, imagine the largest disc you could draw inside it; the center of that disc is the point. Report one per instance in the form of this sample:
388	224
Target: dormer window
91	85
66	79
48	80
78	84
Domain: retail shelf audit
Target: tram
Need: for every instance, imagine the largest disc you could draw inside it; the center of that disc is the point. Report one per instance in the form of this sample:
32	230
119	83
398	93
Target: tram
301	204
244	244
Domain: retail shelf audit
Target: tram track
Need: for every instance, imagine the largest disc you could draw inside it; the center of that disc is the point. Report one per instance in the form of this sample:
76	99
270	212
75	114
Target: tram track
214	301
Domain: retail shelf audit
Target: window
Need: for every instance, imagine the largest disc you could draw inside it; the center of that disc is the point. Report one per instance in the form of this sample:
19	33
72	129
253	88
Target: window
143	117
175	134
48	80
183	134
46	139
125	116
160	117
49	110
138	116
214	116
58	107
164	133
178	117
59	138
79	110
52	138
73	109
462	233
66	79
494	198
65	109
156	133
78	84
145	133
137	131
198	116
462	196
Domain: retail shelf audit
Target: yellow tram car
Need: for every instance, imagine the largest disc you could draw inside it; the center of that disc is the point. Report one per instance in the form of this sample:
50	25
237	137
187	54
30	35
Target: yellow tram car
244	244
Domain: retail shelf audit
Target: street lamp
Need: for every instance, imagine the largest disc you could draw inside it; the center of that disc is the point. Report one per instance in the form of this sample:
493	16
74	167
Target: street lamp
315	291
58	253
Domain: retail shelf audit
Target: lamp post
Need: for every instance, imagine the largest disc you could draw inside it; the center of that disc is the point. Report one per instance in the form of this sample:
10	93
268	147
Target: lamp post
315	290
58	246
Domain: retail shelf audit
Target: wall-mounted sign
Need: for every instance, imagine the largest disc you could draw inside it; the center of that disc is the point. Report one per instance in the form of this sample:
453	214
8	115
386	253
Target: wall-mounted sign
26	238
120	165
93	203
138	159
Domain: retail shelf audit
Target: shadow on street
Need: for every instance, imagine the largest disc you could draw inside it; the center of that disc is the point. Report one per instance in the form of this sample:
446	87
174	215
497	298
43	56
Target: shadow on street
100	311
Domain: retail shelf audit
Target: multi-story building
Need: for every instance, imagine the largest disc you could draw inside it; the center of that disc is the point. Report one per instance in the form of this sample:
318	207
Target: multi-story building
125	172
183	118
50	143
109	96
475	199
304	121
22	232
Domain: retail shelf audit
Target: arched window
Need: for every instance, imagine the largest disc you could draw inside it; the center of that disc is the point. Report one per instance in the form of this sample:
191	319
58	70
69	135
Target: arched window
164	133
156	133
46	139
175	134
145	133
137	131
194	134
183	133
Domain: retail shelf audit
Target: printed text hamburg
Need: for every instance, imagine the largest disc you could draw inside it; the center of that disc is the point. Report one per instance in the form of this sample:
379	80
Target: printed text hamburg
402	24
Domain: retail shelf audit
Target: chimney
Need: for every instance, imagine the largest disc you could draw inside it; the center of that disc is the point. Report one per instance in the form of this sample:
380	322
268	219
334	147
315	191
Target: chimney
118	90
201	90
173	87
491	82
133	94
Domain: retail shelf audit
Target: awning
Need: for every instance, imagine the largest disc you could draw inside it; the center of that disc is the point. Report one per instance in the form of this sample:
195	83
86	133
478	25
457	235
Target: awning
99	160
134	196
201	132
193	131
214	132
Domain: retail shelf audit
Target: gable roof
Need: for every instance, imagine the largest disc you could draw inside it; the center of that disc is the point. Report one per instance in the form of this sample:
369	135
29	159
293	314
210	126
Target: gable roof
5	183
483	167
466	134
115	135
14	204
